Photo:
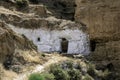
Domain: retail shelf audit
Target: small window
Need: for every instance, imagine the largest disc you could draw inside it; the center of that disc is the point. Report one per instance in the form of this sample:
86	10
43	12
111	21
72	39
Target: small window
38	39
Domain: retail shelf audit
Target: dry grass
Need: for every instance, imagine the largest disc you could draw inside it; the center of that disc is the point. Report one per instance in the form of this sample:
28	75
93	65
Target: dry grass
6	74
31	56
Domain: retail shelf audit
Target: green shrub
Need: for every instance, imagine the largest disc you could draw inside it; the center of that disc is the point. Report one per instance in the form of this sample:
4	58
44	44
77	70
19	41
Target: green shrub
87	77
91	70
65	71
43	55
74	74
69	64
78	66
22	3
36	76
97	73
59	73
48	76
103	74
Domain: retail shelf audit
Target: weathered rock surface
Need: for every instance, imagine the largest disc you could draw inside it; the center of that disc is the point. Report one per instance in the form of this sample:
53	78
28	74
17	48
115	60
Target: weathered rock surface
108	52
102	19
29	20
16	51
6	42
39	10
62	9
36	10
10	41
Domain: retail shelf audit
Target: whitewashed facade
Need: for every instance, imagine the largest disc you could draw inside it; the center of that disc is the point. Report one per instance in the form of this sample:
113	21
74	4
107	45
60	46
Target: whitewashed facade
50	40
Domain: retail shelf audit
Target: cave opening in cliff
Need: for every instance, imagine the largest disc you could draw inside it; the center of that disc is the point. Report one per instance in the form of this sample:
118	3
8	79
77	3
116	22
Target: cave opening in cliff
64	45
92	45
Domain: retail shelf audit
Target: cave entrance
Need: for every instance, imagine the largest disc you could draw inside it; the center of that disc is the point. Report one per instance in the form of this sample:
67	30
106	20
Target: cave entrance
92	45
64	45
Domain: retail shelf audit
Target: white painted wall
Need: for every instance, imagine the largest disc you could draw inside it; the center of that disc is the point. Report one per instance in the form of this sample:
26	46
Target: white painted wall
50	40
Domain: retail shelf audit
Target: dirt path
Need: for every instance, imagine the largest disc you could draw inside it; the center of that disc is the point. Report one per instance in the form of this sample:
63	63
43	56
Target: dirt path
39	68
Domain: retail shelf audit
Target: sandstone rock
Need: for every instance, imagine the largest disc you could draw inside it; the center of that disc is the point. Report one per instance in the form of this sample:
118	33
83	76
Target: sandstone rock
16	50
1	72
50	23
9	41
7	4
39	10
7	45
62	9
107	51
101	17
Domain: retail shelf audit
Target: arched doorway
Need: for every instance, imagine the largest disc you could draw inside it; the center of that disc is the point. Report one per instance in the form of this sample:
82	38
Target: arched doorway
64	45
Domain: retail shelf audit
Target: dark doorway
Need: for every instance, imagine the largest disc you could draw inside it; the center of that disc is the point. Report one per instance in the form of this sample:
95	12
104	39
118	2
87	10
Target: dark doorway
92	45
64	45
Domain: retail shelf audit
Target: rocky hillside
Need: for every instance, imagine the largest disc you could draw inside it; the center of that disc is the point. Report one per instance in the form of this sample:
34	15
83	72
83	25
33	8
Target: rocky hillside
16	52
10	41
98	18
102	19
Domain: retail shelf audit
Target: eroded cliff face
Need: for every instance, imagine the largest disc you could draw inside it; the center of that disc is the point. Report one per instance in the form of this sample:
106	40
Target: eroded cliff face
102	19
14	47
62	9
101	16
6	42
